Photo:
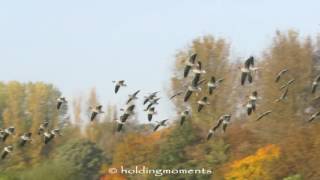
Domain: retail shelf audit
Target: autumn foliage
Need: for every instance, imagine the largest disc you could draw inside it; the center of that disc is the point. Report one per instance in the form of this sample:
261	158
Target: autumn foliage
254	166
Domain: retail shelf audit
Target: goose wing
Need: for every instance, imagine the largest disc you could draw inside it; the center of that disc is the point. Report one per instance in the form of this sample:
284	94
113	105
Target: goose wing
200	107
157	127
263	115
187	96
213	80
278	78
317	79
285	94
314	88
314	116
186	71
124	117
116	89
224	127
209	135
211	90
280	74
149	106
249	62
119	128
93	115
150	117
193	58
182	119
131	107
196	80
145	101
250	77
199	65
214	128
175	95
59	104
220	80
136	93
243	77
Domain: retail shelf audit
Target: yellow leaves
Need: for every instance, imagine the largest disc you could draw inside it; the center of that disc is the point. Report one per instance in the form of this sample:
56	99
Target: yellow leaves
137	149
254	166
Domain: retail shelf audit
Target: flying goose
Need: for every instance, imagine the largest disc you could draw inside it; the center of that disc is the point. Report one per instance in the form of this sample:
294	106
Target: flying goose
189	64
49	135
202	103
151	112
159	124
314	116
6	150
25	138
280	74
152	102
133	97
192	88
120	123
246	70
287	84
119	84
61	100
197	73
126	114
43	127
150	97
184	116
251	106
175	95
263	115
224	120
7	132
95	111
315	84
283	95
213	84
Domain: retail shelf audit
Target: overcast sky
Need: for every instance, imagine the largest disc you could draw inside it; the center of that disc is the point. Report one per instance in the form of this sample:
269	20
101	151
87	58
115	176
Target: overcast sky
78	44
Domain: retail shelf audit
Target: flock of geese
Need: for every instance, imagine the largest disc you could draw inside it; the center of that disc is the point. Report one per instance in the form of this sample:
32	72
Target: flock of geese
150	102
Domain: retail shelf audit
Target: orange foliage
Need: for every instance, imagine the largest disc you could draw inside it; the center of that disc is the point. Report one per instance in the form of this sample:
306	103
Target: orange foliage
113	177
254	166
137	149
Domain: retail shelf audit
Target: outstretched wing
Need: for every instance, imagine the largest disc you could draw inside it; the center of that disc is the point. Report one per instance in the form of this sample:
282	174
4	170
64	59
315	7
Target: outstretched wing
59	105
249	62
263	115
217	125
93	115
200	107
314	88
186	71
116	89
119	128
157	127
187	96
243	77
175	95
192	58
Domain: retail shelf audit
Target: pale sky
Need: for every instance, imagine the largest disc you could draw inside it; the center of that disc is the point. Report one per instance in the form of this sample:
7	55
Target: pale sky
79	44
